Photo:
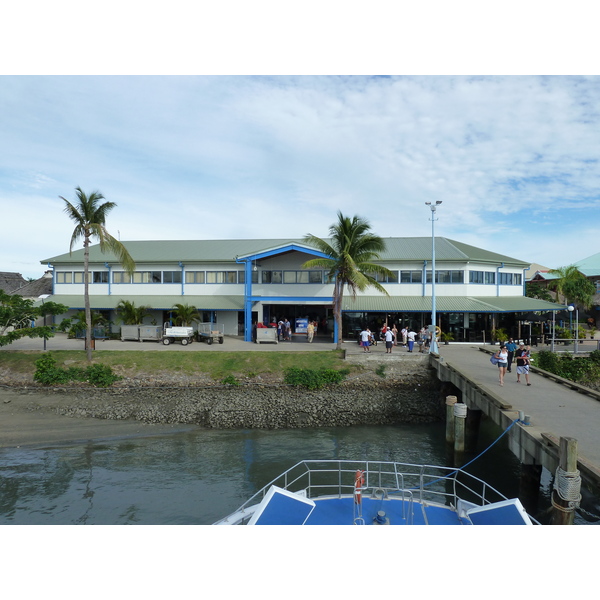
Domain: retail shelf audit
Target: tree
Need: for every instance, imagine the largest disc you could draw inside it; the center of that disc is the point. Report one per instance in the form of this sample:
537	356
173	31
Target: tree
18	315
350	250
89	217
535	290
130	313
184	315
572	285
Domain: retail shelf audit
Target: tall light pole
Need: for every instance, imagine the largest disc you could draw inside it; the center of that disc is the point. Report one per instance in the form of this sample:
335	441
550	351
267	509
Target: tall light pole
433	207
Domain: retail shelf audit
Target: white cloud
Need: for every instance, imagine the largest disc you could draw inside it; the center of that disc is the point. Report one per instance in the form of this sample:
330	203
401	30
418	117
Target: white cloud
514	159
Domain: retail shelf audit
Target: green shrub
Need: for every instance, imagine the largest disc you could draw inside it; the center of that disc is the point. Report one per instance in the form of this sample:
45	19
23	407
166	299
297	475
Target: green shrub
100	375
380	370
47	373
229	380
314	378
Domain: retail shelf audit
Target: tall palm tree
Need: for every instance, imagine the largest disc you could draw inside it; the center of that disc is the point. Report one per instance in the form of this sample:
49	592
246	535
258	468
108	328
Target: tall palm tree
89	216
350	250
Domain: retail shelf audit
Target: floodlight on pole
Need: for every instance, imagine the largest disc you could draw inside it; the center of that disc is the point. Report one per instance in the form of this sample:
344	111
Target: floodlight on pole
434	346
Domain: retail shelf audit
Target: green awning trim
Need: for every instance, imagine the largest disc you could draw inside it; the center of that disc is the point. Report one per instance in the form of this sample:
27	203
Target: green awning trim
447	304
76	301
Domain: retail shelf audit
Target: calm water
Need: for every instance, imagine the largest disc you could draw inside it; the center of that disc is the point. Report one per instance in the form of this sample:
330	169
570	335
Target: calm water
199	477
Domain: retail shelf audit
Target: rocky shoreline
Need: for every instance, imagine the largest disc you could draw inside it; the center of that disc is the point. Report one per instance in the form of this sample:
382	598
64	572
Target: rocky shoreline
366	399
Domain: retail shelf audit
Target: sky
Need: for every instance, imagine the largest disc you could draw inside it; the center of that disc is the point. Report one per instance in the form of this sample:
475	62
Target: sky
227	153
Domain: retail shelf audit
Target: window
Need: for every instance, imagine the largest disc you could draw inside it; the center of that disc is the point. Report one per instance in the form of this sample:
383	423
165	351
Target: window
78	277
411	276
510	278
289	277
446	276
194	277
379	277
64	277
271	277
146	277
99	276
475	276
121	277
490	277
171	277
215	276
242	276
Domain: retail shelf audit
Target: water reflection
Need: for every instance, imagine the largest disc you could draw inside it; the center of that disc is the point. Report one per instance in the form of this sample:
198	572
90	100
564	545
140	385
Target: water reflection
198	477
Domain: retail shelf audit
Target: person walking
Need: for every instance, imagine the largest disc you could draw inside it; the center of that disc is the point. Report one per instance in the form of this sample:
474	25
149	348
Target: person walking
411	340
395	332
511	347
404	333
523	357
365	339
389	341
310	331
502	357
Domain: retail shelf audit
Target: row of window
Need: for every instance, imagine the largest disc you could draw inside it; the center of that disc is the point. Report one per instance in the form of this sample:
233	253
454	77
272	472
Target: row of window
416	276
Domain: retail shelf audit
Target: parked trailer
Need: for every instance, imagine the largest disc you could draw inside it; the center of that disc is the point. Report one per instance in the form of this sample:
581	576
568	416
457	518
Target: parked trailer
140	333
211	332
183	334
151	333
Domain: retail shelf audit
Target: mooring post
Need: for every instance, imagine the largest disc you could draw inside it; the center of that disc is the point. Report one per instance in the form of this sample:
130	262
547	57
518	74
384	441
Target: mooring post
450	402
460	416
567	484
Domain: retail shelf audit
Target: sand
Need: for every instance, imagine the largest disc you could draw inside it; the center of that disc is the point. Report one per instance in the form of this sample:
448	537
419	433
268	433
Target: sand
28	418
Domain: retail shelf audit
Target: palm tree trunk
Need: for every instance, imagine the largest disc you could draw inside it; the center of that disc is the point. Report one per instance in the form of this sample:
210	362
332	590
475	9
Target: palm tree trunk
86	297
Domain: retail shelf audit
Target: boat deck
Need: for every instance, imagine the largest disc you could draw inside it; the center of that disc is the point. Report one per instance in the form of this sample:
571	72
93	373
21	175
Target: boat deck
340	511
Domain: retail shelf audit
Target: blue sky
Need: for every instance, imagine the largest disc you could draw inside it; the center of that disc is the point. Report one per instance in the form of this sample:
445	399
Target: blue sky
513	158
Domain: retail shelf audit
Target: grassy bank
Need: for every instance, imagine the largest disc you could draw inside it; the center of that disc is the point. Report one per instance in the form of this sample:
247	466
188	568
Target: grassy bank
214	365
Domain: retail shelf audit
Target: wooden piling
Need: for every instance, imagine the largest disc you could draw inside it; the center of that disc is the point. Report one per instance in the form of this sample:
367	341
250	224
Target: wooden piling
450	402
460	416
564	504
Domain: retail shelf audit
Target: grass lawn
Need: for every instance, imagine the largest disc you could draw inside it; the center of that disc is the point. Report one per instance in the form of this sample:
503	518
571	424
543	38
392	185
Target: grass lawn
216	365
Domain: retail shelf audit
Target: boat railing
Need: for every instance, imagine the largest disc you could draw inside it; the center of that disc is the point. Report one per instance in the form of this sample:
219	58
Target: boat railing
336	478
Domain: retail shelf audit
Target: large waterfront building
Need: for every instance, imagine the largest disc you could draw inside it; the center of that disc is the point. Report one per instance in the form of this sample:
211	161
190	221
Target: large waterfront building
238	283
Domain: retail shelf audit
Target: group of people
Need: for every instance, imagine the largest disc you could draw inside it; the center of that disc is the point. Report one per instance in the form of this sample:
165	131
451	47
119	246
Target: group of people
507	354
390	336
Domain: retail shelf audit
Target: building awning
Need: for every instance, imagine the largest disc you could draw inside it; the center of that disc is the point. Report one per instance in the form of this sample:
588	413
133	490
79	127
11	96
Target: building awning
76	301
447	304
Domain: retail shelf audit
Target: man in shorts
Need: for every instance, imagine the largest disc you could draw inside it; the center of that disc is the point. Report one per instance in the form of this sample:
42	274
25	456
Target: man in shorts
522	356
365	339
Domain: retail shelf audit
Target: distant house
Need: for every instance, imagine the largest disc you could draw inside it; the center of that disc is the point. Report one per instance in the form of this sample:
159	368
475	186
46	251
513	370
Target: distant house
34	289
11	282
238	283
590	267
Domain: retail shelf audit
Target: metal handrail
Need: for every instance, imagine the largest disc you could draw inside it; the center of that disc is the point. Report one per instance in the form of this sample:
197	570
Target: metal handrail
430	481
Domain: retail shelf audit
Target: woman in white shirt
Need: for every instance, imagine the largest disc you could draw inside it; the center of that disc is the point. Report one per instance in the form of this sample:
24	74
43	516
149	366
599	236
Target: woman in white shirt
502	356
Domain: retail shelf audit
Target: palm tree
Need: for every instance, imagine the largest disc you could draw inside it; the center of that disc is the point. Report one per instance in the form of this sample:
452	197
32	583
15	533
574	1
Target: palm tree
184	315
132	314
350	250
572	285
89	217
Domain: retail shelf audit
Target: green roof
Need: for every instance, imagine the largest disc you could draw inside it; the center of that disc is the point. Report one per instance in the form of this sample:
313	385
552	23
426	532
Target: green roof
75	301
446	304
590	266
196	251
